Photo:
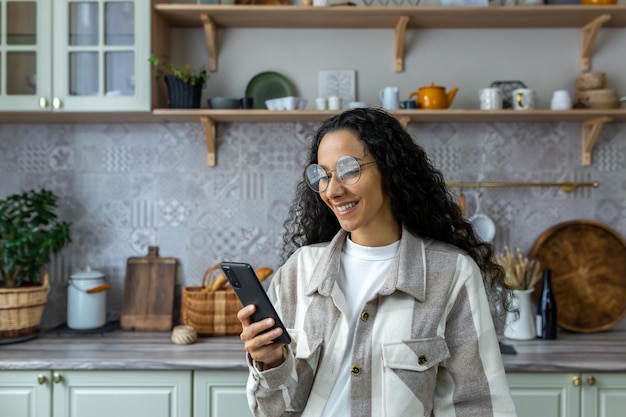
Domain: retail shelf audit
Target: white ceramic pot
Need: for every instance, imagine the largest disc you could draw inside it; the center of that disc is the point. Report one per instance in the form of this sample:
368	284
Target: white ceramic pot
87	300
521	326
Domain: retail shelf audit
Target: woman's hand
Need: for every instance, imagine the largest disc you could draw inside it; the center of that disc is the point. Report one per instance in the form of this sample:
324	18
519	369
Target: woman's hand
259	345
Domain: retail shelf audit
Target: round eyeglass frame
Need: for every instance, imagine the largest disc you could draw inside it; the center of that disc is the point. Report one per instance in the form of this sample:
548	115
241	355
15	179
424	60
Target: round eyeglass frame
343	167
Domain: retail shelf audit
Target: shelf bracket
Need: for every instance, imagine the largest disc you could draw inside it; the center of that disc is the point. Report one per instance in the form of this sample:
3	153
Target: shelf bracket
588	37
210	33
209	133
590	131
404	121
403	21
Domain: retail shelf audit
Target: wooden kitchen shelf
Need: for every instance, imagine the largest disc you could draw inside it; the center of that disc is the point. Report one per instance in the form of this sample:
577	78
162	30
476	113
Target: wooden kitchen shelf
412	116
212	17
383	17
78	117
592	120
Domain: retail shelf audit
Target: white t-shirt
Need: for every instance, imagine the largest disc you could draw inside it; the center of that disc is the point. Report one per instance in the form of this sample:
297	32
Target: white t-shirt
363	271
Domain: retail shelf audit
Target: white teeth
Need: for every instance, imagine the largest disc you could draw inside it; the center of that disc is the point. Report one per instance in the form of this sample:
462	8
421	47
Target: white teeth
346	207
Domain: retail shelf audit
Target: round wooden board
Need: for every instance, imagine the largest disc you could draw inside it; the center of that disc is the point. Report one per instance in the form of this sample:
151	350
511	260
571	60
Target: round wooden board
588	263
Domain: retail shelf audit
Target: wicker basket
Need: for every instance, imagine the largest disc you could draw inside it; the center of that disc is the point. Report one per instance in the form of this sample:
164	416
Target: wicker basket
21	309
211	313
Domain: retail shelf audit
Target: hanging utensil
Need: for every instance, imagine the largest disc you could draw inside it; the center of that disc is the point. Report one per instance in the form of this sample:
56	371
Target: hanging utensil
462	202
483	225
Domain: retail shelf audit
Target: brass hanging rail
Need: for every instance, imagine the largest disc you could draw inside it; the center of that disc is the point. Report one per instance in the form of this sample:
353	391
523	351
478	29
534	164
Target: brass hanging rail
564	186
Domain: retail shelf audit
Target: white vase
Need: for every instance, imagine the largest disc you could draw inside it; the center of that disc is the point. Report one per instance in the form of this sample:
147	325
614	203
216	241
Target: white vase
521	327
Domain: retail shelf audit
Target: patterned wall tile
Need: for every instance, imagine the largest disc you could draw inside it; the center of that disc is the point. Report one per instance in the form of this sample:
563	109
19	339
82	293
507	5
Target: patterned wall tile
127	187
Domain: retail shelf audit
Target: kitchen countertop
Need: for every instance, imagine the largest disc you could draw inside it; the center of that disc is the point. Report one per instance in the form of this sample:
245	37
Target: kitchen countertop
571	352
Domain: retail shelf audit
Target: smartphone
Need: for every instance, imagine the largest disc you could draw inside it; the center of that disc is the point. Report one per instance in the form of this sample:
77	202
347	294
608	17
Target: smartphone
250	291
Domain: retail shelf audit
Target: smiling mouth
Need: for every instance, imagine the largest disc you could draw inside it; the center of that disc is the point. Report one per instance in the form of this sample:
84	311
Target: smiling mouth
345	207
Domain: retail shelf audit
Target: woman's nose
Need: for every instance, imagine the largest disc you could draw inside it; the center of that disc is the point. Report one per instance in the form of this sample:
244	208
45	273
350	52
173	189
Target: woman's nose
335	186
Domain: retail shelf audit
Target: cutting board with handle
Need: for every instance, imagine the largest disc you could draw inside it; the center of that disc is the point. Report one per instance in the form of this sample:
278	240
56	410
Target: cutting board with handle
148	300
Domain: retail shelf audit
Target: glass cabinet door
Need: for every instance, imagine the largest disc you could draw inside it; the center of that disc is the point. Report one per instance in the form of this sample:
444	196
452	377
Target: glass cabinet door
101	50
24	54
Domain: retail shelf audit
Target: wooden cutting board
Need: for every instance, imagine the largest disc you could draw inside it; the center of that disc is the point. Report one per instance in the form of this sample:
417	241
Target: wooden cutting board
148	300
588	263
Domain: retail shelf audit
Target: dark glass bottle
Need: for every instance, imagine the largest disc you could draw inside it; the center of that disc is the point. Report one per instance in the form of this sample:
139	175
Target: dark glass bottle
546	311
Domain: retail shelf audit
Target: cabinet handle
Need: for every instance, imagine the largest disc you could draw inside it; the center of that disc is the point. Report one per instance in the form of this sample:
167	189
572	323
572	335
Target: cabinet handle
576	381
57	377
56	103
42	379
43	103
591	380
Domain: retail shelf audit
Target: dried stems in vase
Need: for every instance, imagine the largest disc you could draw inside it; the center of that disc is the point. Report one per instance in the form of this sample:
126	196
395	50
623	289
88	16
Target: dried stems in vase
521	273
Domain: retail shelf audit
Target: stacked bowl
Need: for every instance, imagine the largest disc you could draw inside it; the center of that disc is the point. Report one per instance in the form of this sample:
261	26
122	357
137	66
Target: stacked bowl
592	92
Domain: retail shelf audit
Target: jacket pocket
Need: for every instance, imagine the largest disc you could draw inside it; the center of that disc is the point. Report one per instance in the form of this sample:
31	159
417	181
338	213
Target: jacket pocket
410	375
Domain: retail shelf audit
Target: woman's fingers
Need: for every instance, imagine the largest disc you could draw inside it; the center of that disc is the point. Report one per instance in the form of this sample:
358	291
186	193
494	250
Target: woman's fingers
258	339
244	314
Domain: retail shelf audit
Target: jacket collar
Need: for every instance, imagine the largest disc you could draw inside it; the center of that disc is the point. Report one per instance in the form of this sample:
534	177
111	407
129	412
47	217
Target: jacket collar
407	274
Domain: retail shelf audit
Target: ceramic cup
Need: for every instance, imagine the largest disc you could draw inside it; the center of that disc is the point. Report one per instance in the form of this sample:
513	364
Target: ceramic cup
523	99
409	104
321	103
334	103
490	98
561	100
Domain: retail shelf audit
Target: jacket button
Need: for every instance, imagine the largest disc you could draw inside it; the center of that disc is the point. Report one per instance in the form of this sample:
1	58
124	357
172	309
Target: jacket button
356	370
422	360
365	316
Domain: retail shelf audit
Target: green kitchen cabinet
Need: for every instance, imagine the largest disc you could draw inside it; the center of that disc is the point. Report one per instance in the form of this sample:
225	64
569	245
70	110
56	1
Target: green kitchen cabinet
220	394
568	394
25	393
95	393
64	55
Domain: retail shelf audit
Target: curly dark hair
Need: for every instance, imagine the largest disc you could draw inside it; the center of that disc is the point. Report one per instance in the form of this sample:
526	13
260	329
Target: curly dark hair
420	200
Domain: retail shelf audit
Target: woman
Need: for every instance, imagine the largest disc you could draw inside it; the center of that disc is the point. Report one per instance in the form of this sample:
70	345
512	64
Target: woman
383	291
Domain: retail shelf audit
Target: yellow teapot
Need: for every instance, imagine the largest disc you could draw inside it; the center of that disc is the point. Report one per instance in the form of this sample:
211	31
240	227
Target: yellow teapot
434	96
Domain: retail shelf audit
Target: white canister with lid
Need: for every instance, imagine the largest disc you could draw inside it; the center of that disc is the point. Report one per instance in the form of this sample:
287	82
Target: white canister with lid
86	300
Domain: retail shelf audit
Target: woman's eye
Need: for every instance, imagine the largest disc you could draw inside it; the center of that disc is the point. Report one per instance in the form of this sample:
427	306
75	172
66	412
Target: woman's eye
349	173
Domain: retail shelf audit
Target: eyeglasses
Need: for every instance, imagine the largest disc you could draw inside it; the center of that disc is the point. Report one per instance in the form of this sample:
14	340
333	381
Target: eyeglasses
347	168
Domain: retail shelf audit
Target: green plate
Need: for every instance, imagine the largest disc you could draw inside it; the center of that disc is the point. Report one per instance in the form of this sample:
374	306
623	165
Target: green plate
267	85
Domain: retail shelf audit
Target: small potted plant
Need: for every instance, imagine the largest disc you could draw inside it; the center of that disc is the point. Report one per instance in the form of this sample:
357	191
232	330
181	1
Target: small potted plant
29	234
184	84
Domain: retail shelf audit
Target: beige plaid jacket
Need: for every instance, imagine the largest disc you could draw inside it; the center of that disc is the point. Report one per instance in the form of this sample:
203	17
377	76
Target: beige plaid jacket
425	345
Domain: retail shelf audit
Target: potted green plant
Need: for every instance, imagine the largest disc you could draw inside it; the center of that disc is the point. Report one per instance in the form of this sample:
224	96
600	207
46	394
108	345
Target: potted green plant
30	234
184	84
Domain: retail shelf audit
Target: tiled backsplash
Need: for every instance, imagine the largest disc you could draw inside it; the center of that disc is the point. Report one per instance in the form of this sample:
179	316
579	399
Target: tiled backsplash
129	186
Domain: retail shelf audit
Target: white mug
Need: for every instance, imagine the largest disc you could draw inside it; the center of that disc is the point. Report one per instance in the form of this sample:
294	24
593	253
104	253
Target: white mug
561	100
334	103
490	98
523	99
320	103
